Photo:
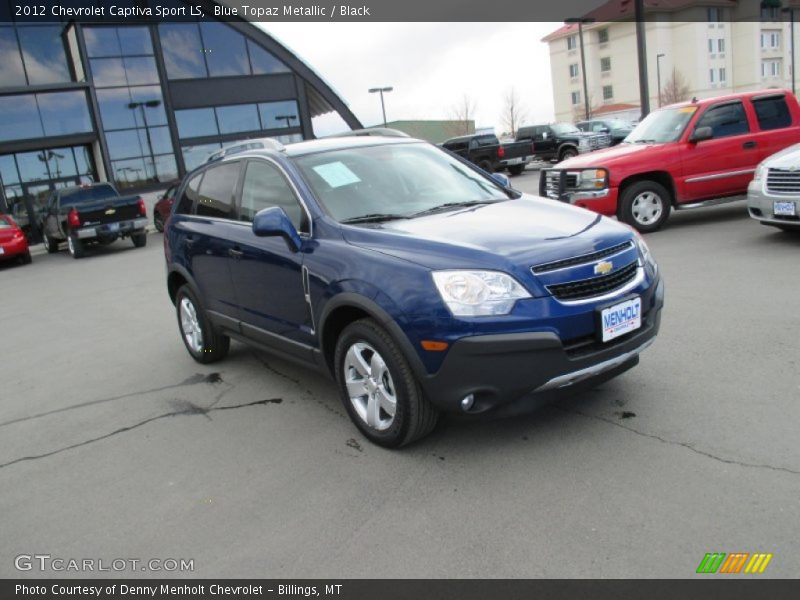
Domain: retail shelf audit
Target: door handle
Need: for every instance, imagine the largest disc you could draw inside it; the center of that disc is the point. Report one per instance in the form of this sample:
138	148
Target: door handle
235	253
189	240
748	145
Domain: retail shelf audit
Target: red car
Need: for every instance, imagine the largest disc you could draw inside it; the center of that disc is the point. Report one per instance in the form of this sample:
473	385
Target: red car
163	208
681	156
12	241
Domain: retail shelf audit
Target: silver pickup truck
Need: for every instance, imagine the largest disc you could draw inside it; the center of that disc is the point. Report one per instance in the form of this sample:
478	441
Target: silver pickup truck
773	197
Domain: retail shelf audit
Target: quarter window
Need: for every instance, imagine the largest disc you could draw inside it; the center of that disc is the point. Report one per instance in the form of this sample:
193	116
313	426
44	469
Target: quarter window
725	120
189	196
215	198
264	186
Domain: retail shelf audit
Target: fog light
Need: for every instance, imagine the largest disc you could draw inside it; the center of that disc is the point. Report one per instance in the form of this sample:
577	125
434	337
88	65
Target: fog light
467	402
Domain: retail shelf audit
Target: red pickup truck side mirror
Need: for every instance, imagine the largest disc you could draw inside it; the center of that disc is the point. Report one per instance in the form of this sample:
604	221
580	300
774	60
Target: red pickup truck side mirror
700	134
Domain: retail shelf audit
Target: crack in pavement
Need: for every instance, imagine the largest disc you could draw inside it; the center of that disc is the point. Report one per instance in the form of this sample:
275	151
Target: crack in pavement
193	380
188	409
687	445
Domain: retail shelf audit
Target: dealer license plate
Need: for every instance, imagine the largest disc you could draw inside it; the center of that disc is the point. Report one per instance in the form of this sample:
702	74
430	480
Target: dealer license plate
621	318
784	209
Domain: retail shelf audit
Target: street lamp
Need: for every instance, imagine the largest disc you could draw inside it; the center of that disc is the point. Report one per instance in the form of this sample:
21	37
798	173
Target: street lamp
383	106
580	21
287	118
790	11
658	75
142	106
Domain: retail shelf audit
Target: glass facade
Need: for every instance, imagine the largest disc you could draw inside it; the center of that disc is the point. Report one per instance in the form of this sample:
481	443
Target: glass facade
221	120
29	116
32	55
210	49
131	105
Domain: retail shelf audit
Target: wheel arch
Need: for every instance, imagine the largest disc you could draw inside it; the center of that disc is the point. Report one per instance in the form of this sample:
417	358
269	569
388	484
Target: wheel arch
661	177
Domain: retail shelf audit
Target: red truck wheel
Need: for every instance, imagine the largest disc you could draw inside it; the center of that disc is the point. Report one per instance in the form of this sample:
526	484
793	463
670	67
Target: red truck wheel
645	205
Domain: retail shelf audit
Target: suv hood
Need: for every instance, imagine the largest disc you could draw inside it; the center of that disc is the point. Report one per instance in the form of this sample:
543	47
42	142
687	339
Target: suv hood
511	236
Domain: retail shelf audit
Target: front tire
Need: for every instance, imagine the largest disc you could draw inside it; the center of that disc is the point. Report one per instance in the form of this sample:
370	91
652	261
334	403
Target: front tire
378	387
139	240
75	246
645	205
567	153
204	343
516	169
26	259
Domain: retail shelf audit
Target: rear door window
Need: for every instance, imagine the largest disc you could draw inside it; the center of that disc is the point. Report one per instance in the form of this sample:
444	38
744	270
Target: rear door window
215	197
725	120
189	196
772	112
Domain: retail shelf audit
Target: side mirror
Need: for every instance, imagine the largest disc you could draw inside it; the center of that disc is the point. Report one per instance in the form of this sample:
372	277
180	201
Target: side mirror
544	135
502	179
273	221
700	134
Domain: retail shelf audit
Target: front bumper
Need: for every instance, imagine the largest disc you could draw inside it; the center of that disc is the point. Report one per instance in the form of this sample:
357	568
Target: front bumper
112	230
761	206
519	160
553	185
511	373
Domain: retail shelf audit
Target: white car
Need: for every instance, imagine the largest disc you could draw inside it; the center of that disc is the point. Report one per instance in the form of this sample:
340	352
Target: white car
773	197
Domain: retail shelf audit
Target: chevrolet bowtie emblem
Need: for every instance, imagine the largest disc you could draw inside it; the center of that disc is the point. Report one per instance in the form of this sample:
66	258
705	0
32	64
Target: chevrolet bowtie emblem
111	211
603	267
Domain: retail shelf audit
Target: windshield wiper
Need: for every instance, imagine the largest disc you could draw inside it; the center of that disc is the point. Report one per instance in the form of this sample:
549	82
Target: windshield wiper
374	218
449	205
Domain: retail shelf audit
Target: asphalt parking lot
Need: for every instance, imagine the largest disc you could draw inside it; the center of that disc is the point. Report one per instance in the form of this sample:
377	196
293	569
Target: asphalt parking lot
115	444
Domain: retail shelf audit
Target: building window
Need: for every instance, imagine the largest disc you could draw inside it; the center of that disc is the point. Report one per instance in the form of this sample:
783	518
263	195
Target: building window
714	15
576	97
239	118
608	92
32	55
720	45
711	46
37	115
195	51
722	75
131	104
770	13
602	36
605	64
770	40
573	71
572	42
771	68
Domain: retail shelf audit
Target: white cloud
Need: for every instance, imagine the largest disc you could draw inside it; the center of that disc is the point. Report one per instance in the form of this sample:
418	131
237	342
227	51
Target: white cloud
430	65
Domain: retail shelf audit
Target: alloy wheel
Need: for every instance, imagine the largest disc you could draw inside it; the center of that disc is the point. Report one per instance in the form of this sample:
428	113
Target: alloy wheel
370	386
190	326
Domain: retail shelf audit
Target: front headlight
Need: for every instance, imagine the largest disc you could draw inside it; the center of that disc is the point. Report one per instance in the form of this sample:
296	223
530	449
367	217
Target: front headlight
478	293
644	250
760	170
590	179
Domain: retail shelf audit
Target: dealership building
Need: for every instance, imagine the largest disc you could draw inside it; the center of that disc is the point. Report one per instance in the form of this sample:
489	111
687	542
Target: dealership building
140	104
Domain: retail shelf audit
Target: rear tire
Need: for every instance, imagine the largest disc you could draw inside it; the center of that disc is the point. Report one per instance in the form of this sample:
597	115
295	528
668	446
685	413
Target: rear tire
516	169
139	240
26	259
204	343
645	205
158	222
486	165
50	245
378	387
75	246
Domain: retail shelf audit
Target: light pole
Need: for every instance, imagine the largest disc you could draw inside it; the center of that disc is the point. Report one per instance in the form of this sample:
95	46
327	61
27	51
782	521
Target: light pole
142	105
383	106
641	54
287	118
658	75
791	41
580	21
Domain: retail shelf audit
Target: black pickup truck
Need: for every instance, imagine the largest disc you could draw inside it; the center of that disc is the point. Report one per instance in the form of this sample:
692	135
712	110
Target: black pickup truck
486	151
560	141
92	214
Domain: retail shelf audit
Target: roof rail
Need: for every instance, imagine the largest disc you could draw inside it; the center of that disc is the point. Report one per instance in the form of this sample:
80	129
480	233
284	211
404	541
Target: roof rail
377	131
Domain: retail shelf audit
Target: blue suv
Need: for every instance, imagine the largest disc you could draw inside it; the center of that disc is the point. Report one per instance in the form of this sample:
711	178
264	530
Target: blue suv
419	282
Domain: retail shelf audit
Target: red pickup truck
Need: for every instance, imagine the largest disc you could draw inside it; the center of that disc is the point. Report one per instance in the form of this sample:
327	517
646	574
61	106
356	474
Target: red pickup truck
684	155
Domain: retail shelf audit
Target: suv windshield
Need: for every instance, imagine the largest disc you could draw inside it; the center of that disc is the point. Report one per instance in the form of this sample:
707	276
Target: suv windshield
564	128
661	126
394	181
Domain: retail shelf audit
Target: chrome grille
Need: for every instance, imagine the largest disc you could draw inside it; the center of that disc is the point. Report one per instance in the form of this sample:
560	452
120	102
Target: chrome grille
551	183
783	181
596	286
582	259
600	140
